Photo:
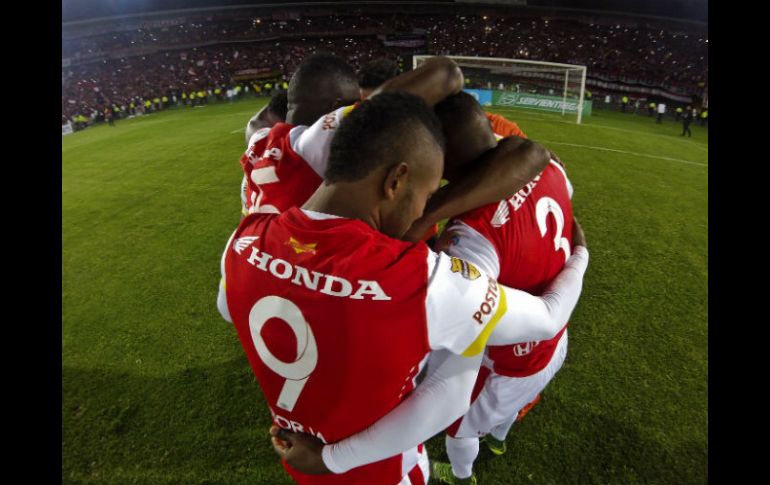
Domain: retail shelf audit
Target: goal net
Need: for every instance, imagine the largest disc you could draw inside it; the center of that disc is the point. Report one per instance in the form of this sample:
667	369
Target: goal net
517	83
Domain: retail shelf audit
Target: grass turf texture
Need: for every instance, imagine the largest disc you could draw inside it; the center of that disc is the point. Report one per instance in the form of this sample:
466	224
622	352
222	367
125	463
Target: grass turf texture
156	388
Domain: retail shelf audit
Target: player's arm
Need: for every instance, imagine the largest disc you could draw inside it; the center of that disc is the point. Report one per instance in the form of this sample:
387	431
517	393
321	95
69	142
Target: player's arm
313	143
273	112
467	309
499	174
437	402
260	120
222	295
462	241
434	80
418	417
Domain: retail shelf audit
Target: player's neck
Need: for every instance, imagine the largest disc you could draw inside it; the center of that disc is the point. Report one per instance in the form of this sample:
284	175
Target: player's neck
343	200
304	115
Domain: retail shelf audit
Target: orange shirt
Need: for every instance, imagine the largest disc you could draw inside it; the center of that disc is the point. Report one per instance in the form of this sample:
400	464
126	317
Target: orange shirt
504	127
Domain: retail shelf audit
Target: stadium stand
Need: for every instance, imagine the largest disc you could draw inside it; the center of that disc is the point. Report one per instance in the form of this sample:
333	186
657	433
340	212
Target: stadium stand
120	61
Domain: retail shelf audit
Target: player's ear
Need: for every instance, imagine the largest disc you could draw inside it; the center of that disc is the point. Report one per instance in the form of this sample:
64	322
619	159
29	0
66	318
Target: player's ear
395	180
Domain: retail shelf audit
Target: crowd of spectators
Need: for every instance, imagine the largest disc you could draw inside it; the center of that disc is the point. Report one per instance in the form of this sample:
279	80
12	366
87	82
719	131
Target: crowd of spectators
656	58
177	74
125	67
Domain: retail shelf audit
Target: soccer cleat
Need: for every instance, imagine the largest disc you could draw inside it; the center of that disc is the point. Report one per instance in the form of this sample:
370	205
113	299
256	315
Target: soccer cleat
495	445
523	412
443	473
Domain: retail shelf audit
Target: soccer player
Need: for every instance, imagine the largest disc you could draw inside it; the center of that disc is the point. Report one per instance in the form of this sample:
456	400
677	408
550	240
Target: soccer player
374	73
361	310
512	375
273	112
285	164
523	242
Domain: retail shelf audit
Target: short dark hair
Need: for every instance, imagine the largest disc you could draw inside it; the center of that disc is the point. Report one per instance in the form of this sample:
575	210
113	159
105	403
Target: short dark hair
318	69
375	72
278	104
377	133
458	107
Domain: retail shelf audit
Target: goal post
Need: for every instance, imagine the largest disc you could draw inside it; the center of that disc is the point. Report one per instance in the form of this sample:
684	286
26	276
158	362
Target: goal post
521	83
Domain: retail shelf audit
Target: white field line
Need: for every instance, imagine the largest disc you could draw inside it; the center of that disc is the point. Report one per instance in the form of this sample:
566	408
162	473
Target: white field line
605	149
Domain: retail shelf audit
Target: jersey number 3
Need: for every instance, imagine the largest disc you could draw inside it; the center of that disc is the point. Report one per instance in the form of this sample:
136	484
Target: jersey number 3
298	372
545	206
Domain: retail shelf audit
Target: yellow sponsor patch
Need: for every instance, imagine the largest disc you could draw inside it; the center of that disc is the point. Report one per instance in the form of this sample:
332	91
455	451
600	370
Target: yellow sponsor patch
300	248
466	269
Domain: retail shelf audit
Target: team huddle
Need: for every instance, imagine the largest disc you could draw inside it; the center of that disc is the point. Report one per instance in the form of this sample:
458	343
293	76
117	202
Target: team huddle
369	332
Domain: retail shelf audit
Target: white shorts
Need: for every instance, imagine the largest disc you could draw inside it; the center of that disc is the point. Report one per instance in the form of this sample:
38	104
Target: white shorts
415	467
503	397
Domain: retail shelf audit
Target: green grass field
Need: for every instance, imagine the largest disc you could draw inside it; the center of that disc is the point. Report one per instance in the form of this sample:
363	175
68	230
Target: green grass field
157	390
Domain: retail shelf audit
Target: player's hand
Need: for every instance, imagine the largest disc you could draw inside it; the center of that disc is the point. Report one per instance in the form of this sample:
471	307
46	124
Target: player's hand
301	451
578	236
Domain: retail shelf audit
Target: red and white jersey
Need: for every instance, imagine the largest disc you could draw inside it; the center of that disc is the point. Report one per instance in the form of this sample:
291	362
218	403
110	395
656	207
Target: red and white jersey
523	242
285	164
338	319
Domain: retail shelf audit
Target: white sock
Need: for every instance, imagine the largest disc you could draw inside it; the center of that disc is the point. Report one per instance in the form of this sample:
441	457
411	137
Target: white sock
462	453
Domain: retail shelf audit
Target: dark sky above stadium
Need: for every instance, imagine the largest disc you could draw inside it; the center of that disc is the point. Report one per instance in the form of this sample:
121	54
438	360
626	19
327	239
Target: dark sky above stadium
73	10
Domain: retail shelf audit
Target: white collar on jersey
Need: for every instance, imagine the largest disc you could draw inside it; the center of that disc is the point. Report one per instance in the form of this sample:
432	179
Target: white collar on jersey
317	216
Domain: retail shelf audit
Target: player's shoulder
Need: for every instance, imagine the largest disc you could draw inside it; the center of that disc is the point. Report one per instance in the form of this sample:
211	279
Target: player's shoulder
329	123
555	169
252	223
397	249
485	218
258	136
312	143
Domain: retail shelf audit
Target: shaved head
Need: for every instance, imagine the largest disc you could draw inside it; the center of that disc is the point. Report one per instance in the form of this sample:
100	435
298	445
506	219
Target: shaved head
321	83
467	131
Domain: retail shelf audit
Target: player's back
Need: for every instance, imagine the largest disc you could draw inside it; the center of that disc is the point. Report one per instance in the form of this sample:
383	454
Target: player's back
285	164
278	177
532	235
332	317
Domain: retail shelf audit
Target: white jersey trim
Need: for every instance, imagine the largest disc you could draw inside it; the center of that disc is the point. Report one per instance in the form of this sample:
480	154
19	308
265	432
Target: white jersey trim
258	135
319	216
570	190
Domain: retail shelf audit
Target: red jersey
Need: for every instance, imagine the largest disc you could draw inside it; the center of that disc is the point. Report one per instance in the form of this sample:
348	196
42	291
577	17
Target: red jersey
338	319
285	164
525	241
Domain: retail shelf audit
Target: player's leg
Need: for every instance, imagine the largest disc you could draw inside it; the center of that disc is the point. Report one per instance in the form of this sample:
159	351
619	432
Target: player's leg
462	443
462	453
521	392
